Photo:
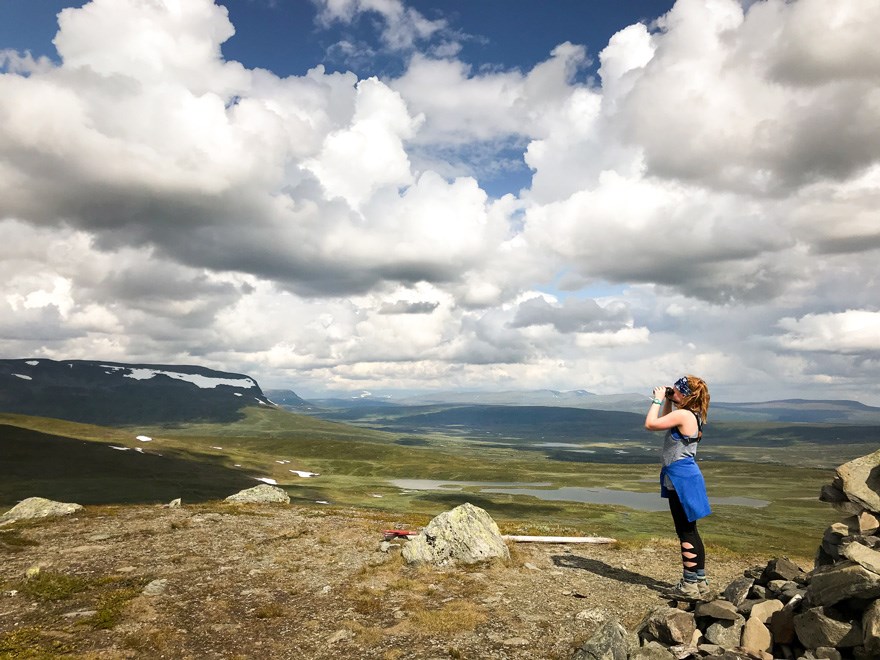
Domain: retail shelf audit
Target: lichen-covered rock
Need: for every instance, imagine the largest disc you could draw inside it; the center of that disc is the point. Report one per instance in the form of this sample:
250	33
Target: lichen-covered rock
725	633
262	494
738	590
609	642
40	507
466	534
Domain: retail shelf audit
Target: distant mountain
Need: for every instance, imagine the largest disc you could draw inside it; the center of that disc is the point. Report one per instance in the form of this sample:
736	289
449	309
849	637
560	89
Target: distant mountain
494	423
787	410
287	399
573	399
114	393
800	410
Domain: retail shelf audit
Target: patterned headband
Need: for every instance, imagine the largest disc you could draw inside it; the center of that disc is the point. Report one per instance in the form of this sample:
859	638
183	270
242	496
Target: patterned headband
682	386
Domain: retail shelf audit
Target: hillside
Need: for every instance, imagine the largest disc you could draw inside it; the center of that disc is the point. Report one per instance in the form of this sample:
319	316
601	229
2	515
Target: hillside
64	468
114	393
280	581
287	399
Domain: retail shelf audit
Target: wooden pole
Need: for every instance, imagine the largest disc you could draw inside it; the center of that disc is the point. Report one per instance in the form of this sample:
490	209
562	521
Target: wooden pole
558	539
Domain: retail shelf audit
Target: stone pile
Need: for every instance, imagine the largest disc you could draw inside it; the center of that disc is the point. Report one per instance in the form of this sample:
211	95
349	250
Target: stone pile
779	610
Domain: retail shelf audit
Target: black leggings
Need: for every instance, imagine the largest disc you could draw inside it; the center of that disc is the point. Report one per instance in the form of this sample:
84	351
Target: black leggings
687	533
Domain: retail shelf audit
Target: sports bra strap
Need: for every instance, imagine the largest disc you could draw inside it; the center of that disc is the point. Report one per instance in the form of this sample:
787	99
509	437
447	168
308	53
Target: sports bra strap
688	441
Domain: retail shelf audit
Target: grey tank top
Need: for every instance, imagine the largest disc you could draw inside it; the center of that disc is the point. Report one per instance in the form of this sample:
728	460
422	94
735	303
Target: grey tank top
676	447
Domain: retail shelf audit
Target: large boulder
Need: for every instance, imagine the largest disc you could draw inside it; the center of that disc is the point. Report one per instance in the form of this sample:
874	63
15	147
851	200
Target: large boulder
262	494
861	480
39	507
466	534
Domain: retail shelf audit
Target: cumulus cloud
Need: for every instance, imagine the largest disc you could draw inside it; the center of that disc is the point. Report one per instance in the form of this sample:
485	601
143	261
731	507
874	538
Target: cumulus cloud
368	154
723	107
852	331
707	204
574	315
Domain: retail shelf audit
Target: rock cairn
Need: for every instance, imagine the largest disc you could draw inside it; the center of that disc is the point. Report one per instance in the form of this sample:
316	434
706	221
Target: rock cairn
780	610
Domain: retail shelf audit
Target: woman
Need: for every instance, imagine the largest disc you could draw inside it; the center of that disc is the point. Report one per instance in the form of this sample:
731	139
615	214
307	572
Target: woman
680	479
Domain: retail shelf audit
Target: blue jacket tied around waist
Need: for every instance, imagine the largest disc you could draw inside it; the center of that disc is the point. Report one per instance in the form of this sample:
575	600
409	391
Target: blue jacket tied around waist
688	482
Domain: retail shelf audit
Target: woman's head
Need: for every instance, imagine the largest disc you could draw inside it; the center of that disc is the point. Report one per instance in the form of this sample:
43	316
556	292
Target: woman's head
693	394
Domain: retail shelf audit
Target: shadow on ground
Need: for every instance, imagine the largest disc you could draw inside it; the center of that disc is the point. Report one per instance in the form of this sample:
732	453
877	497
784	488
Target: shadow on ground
606	570
72	470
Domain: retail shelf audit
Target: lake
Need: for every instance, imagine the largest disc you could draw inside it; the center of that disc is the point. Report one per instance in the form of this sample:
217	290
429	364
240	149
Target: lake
631	499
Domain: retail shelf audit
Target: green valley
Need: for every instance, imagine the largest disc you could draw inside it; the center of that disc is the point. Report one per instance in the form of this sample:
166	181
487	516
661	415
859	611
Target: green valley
357	466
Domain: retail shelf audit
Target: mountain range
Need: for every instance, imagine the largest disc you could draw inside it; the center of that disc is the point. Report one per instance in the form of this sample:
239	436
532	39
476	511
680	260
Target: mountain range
114	393
814	411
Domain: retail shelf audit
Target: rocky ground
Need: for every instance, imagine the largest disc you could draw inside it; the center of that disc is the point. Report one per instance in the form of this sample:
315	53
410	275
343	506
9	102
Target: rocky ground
279	581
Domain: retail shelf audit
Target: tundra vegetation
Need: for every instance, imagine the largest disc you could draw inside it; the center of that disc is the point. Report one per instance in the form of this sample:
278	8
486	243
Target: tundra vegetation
782	465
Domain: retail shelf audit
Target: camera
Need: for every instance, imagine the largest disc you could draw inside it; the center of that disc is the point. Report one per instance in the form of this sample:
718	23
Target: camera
669	392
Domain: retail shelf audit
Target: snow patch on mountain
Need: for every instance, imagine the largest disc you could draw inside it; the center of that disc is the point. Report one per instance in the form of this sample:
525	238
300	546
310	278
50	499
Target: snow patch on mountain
204	382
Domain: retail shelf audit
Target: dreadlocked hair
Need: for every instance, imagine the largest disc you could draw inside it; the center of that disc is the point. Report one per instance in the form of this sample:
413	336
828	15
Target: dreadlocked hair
698	399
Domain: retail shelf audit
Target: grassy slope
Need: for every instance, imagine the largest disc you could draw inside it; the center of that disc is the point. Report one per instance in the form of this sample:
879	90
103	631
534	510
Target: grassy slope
356	464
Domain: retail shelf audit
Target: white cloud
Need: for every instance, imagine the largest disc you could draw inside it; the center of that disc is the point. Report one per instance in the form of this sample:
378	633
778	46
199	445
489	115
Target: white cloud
403	28
852	331
709	204
368	154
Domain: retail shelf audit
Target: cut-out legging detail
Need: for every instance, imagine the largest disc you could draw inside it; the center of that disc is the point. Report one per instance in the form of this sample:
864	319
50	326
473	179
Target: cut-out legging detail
693	554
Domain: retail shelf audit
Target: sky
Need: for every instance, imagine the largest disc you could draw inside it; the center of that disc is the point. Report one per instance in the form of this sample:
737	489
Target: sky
395	195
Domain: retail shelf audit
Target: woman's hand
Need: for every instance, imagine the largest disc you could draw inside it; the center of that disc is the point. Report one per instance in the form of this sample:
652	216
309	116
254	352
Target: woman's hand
660	392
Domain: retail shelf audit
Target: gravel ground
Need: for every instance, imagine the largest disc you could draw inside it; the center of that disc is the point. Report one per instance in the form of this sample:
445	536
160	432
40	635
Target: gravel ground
226	581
